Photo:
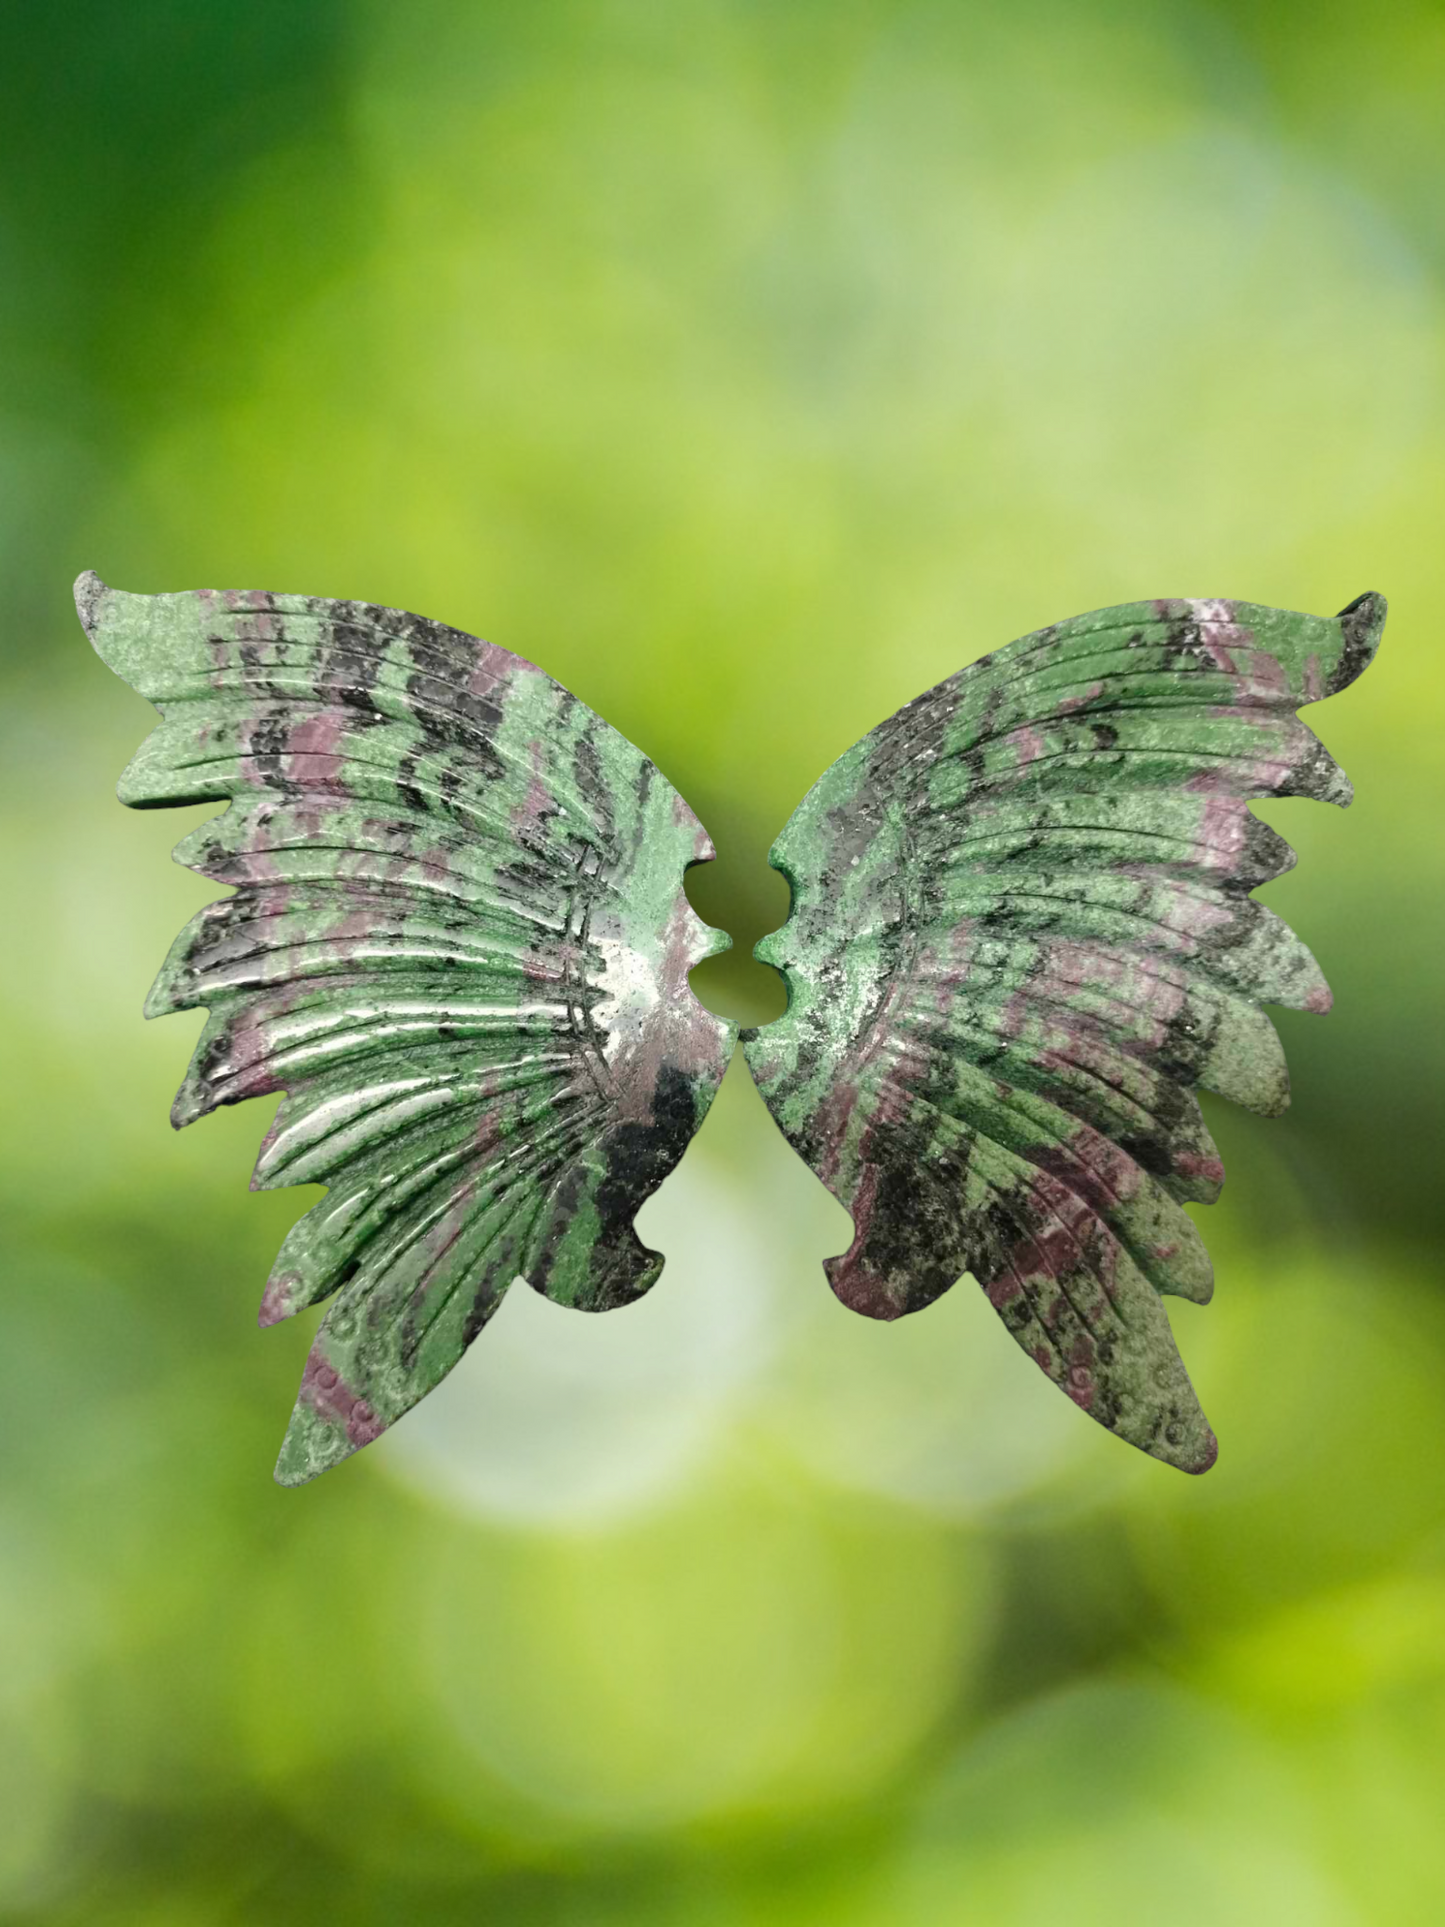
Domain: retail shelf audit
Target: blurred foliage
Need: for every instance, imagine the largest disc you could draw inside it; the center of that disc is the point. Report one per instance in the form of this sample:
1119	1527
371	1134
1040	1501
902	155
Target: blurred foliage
750	367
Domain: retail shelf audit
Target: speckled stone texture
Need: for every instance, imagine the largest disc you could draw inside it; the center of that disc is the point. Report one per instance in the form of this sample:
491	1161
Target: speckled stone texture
1021	934
458	941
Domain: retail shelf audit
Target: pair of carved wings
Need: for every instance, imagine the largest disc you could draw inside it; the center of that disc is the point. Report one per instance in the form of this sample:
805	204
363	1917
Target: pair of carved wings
1021	935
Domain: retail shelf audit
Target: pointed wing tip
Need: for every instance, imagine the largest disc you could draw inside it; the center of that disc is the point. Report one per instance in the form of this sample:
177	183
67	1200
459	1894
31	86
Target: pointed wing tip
189	1104
289	1478
90	591
1204	1457
103	613
330	1421
310	1447
1370	607
1194	1452
282	1299
1195	1288
295	1464
1362	623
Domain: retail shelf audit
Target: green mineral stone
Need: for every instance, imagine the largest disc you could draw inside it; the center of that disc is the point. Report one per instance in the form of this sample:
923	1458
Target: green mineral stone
458	941
1021	935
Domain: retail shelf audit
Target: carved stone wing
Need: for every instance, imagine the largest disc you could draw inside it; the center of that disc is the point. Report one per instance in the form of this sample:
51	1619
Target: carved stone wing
1021	934
458	942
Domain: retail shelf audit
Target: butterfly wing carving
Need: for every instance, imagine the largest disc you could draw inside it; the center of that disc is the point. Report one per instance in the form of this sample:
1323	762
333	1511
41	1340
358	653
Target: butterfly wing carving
458	942
1021	935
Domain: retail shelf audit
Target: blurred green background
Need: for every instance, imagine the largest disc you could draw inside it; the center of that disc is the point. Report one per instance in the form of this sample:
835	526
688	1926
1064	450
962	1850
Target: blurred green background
750	364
